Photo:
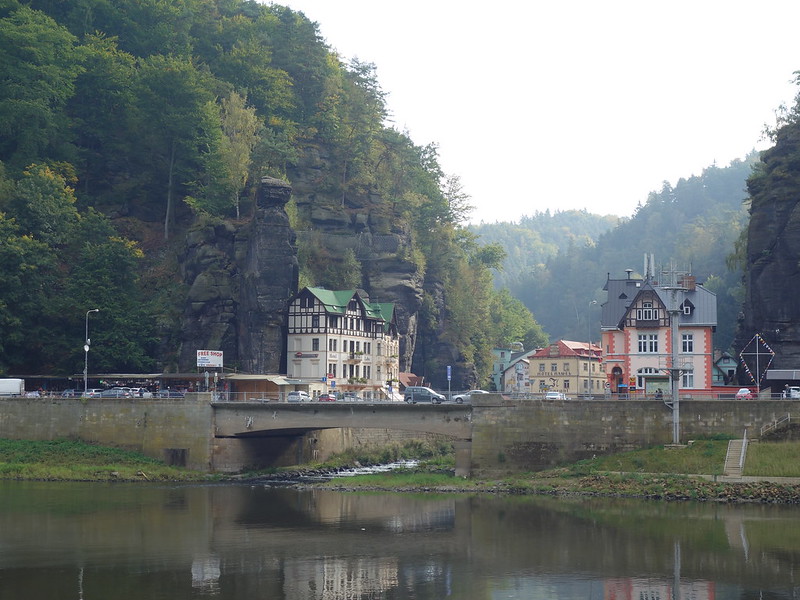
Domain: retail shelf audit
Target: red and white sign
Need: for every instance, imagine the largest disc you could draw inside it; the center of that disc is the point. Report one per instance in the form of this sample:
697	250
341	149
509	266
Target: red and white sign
209	358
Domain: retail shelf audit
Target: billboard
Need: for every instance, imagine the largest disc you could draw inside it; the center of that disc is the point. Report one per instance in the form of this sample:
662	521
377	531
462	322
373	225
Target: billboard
209	358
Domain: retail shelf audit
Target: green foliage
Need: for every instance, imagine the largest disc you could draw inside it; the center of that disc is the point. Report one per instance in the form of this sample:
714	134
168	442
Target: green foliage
39	62
567	255
170	112
78	461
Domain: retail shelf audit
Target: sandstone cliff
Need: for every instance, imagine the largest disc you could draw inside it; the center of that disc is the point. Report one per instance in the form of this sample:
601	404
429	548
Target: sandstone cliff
772	269
239	281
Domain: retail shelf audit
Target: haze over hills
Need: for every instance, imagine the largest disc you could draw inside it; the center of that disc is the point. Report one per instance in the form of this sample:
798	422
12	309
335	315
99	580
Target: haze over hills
137	187
558	262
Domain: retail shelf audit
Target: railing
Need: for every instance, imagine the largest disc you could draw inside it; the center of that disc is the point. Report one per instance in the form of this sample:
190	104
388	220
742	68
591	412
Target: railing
774	424
743	453
371	396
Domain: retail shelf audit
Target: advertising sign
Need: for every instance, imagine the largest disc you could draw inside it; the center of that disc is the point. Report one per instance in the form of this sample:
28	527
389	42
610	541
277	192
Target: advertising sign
209	358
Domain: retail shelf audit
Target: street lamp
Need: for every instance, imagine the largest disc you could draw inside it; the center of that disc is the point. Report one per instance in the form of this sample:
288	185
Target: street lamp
588	391
86	345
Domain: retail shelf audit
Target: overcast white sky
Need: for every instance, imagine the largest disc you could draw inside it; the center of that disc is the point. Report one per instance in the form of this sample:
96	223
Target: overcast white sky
573	104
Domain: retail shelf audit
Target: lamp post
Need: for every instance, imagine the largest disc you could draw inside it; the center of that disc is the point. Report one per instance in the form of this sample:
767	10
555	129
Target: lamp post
590	354
86	345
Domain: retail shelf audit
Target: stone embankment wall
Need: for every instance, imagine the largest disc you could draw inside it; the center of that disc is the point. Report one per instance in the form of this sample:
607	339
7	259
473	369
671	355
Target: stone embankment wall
176	431
507	436
528	435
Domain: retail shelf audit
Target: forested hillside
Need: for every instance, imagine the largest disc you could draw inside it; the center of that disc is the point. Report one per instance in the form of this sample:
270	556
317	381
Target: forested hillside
128	125
558	267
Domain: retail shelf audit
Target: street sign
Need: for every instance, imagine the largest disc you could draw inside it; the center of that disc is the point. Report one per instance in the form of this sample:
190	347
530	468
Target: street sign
449	372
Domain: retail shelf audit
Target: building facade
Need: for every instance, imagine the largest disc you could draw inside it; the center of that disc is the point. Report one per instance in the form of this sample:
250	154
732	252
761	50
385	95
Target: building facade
575	369
651	330
343	340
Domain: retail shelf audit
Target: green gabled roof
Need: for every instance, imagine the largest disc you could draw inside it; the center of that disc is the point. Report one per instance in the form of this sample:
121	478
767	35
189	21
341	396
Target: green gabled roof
386	310
335	301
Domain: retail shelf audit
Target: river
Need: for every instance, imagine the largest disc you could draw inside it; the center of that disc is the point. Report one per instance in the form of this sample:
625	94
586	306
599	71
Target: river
89	541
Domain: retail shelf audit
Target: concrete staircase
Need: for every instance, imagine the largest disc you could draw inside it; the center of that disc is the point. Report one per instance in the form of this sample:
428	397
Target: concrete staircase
732	468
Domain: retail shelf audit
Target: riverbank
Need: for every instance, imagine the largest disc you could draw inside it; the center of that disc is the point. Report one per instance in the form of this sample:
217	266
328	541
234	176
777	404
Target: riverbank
559	483
626	475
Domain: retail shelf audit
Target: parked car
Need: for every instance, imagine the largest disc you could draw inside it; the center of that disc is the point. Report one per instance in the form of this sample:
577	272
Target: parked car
140	392
92	393
467	396
298	396
555	396
169	394
744	394
116	393
326	398
70	393
416	393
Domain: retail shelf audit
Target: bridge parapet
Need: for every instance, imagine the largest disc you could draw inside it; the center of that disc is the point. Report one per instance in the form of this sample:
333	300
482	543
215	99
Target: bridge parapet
246	418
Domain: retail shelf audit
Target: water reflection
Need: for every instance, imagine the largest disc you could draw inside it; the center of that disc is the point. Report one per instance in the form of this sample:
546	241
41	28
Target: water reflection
91	541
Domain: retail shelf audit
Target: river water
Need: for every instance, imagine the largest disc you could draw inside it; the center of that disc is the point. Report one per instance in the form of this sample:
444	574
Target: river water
87	541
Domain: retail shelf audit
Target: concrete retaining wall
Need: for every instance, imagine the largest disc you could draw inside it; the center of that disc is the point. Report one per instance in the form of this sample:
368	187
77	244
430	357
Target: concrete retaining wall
178	432
514	436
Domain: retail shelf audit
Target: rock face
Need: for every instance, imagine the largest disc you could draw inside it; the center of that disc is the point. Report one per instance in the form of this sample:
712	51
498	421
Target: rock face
239	282
360	223
772	271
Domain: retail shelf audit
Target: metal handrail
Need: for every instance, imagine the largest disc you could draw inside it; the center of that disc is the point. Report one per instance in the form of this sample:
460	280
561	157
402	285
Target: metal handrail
774	424
743	451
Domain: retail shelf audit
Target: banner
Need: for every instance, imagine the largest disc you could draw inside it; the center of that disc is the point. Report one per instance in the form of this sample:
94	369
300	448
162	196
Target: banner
209	358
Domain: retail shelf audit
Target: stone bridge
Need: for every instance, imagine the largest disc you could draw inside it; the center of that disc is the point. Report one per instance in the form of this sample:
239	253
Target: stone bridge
250	433
493	436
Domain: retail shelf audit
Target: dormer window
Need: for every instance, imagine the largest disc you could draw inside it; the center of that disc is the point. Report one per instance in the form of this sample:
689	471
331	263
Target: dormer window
647	312
687	307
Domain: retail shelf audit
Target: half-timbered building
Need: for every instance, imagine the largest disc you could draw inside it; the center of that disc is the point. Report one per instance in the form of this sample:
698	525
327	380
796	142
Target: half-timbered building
342	339
637	332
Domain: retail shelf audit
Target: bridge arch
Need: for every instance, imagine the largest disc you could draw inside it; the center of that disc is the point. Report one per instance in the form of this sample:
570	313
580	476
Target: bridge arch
275	434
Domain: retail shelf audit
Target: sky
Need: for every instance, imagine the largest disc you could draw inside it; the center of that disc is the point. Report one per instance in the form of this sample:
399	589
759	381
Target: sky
572	104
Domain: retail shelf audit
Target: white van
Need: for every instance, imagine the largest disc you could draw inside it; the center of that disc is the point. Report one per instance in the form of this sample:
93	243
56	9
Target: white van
793	392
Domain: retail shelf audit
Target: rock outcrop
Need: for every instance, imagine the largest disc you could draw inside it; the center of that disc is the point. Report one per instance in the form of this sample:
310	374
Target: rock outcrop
772	270
239	280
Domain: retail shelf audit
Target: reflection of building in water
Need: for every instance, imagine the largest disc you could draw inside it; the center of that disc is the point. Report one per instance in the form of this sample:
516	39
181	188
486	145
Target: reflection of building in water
633	588
439	520
333	578
205	573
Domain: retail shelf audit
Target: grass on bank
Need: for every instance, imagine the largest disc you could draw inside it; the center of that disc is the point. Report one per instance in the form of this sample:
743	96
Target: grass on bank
70	460
773	459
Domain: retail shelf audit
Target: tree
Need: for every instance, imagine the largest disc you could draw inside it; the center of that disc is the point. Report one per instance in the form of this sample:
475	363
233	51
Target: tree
39	61
175	124
239	125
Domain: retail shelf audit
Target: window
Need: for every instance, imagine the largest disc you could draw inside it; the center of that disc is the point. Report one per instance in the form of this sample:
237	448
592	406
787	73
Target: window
648	342
307	302
315	344
566	367
566	385
640	376
585	366
554	367
541	367
687	343
333	321
647	312
687	380
378	349
315	320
